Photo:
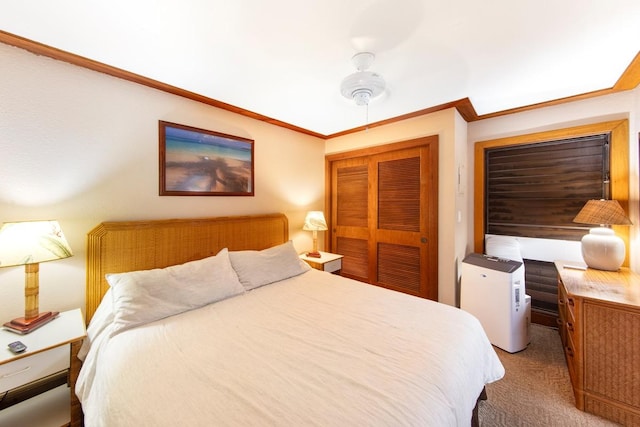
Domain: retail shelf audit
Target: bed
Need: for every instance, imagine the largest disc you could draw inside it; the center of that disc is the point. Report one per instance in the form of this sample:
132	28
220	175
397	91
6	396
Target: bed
217	321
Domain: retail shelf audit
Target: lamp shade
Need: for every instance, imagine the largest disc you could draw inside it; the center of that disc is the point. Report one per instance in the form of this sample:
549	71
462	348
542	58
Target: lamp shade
602	212
601	248
31	242
315	221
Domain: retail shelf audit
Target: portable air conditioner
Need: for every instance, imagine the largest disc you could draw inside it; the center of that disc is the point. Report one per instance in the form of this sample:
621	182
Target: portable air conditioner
493	290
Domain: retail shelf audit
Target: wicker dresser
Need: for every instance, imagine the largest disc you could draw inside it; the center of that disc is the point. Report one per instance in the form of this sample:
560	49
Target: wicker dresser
600	331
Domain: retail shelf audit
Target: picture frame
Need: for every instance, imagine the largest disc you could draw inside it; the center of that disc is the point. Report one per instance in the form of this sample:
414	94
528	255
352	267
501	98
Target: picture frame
199	162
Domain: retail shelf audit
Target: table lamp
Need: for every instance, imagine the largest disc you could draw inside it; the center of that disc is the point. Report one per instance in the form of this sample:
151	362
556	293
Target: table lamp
601	248
314	221
29	243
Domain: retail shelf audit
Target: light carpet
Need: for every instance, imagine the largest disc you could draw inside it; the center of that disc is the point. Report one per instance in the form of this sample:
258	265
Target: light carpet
536	389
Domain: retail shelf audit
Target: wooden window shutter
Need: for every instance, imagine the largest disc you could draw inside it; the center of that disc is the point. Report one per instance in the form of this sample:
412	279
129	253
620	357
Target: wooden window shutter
537	189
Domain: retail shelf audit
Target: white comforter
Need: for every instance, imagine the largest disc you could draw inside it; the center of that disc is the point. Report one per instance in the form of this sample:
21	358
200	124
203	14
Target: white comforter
316	349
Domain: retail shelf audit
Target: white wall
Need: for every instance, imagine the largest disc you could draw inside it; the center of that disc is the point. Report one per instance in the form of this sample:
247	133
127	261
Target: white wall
451	130
625	105
82	147
457	139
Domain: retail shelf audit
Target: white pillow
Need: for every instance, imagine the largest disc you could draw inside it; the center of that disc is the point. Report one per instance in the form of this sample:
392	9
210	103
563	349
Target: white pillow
144	296
259	268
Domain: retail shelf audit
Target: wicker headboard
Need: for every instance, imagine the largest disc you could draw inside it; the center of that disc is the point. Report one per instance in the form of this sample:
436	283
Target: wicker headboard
115	247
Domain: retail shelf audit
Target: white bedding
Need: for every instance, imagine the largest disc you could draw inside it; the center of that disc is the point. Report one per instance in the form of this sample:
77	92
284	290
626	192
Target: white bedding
315	349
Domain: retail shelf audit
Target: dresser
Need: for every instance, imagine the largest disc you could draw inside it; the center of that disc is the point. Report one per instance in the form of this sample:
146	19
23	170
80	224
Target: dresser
599	325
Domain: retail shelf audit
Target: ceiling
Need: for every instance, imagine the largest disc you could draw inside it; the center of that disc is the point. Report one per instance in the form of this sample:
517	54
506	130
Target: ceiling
285	59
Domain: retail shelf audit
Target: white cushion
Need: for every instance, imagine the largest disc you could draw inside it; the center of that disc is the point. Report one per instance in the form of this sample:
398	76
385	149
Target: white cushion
259	268
144	296
506	247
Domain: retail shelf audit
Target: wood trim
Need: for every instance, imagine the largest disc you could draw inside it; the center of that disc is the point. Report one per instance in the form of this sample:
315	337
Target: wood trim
619	168
629	80
71	58
464	107
379	149
558	101
545	319
631	76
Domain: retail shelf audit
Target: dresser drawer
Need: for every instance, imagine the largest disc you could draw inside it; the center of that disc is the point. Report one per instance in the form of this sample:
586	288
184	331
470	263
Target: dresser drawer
562	313
571	325
31	368
332	266
570	356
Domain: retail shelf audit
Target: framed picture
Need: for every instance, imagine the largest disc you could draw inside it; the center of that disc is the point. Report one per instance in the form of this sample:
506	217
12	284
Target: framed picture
198	162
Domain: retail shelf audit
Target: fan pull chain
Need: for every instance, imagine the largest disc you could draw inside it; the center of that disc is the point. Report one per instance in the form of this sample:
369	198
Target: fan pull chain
366	128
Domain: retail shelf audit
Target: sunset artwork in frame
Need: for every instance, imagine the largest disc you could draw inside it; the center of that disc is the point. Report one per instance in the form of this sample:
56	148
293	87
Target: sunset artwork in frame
198	162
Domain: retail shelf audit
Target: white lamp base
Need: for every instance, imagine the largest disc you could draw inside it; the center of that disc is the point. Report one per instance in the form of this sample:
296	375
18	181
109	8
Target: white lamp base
602	249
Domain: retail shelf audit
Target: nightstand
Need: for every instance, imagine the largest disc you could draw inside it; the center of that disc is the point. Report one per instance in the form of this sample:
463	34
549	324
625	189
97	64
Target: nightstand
328	262
50	360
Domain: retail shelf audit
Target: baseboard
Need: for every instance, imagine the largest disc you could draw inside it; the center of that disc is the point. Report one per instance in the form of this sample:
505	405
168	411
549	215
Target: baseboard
544	318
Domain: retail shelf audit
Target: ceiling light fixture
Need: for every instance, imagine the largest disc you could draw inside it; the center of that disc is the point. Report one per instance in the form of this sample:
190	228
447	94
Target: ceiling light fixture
363	85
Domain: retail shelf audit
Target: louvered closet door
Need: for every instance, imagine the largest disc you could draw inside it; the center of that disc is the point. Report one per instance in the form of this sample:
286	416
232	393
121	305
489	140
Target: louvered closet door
401	246
384	210
350	213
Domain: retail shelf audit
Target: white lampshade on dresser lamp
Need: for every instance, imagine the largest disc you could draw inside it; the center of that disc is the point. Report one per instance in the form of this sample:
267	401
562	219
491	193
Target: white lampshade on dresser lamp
315	222
601	248
29	243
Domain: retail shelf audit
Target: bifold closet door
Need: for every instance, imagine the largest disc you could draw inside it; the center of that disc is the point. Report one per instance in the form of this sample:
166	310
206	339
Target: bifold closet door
384	210
350	216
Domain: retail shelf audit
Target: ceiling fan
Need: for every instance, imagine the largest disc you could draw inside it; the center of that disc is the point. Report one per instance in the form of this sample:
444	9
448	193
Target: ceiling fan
363	85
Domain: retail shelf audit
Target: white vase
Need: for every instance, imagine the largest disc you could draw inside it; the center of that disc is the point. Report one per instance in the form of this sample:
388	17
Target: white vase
602	249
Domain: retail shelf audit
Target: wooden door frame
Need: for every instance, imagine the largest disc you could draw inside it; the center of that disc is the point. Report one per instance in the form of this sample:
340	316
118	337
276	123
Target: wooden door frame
619	165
